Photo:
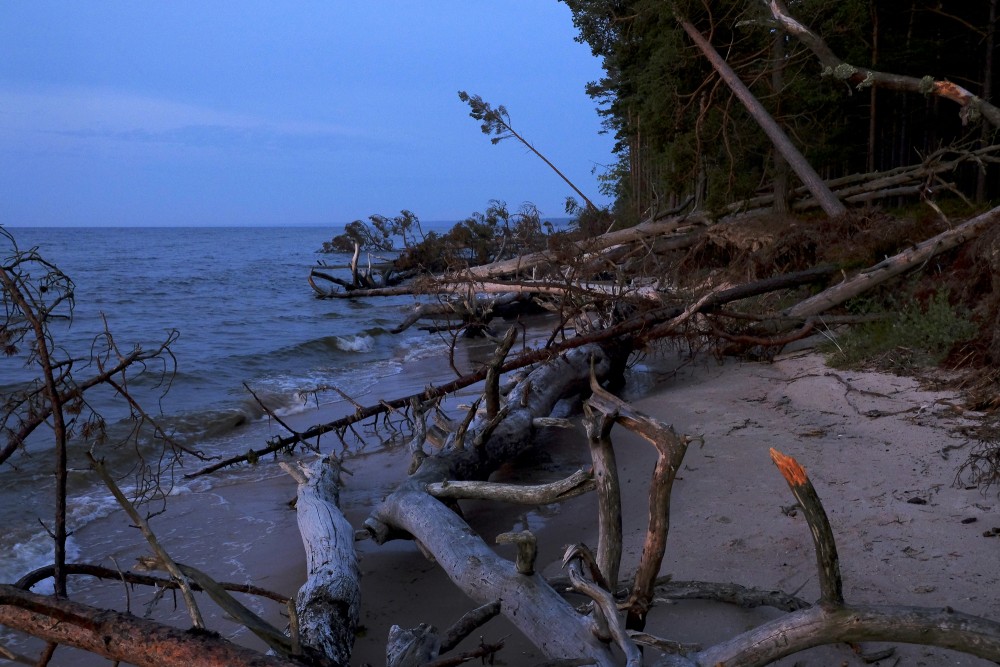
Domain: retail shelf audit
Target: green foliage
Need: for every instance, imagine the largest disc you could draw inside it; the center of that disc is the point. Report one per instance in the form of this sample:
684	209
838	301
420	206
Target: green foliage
378	234
495	122
495	234
918	334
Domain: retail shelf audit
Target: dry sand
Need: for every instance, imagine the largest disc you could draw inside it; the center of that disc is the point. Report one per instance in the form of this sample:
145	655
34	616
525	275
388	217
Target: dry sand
881	452
874	446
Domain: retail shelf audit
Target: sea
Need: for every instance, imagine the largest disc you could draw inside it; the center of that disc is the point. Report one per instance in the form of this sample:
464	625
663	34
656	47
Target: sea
245	319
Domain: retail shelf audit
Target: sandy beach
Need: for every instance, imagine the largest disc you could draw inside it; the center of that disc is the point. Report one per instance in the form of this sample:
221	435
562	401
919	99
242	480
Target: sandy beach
881	452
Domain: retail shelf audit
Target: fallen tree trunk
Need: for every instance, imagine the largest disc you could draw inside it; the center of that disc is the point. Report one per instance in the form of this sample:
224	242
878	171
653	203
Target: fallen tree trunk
328	604
122	636
525	264
827	200
894	266
527	600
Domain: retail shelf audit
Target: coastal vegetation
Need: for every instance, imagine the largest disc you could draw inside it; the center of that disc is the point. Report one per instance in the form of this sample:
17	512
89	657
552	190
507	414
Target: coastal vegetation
888	250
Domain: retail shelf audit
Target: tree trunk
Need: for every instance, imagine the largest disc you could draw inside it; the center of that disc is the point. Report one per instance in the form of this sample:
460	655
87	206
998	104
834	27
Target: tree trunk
122	636
895	265
827	201
328	604
859	76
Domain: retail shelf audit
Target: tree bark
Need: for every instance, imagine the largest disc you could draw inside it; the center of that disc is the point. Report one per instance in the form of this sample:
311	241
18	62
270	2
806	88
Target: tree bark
122	636
328	604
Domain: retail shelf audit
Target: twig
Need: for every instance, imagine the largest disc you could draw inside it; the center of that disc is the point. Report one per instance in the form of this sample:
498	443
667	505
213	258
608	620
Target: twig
147	532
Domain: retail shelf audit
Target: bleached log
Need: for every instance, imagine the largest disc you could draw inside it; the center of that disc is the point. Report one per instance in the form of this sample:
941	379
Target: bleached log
528	601
328	604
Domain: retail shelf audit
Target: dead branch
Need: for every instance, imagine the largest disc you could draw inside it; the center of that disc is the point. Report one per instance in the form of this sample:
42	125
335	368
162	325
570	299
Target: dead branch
670	449
971	105
122	636
164	558
73	569
576	484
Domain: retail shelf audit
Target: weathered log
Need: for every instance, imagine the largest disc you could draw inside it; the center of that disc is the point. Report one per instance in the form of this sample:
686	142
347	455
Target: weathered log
528	601
541	614
895	265
328	604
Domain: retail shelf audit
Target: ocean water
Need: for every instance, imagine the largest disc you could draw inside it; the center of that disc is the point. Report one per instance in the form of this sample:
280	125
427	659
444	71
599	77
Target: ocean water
244	313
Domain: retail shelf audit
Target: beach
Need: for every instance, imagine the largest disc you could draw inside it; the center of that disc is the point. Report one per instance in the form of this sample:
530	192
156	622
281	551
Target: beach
881	452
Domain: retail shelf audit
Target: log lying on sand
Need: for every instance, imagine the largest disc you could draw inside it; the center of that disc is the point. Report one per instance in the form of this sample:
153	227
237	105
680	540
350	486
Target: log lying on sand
328	604
121	636
528	601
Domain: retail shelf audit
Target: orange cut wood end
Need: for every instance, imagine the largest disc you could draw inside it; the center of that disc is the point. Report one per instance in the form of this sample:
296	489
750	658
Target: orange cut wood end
790	469
949	90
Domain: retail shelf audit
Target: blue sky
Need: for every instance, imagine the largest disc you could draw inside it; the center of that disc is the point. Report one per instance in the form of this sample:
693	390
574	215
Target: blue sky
246	112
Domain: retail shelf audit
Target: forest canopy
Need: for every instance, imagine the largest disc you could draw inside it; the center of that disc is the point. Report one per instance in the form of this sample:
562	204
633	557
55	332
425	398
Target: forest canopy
680	133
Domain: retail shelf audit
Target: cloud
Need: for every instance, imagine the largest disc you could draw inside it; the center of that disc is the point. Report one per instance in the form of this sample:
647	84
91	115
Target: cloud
78	118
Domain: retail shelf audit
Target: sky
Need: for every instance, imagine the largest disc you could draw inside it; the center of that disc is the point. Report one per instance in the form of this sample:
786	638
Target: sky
247	112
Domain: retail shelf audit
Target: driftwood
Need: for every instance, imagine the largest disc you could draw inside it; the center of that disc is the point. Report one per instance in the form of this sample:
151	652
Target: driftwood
528	601
329	603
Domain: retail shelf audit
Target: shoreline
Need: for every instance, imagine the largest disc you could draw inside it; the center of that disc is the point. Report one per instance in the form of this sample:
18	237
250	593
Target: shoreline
870	442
